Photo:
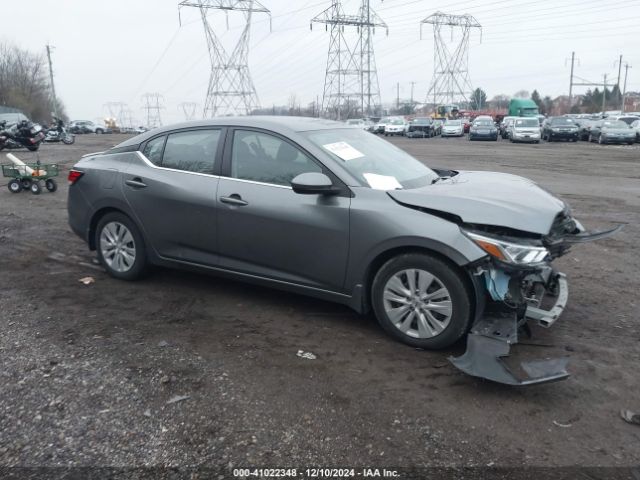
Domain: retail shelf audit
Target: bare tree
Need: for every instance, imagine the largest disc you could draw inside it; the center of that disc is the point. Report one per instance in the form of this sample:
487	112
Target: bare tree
24	84
522	94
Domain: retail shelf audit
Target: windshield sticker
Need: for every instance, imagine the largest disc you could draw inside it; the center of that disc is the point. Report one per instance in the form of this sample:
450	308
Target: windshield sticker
381	182
343	150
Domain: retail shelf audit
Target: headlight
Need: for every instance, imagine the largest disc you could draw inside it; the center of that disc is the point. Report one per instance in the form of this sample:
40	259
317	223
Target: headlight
508	252
555	129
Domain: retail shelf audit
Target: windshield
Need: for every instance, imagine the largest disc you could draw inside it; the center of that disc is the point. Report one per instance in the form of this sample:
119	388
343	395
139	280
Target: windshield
527	122
354	122
397	121
615	124
562	121
422	121
375	162
454	123
483	123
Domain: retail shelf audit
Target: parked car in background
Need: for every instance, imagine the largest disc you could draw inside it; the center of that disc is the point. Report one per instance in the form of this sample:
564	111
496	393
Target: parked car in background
419	127
483	128
379	127
612	131
452	128
466	122
584	127
525	129
360	123
87	126
12	118
559	128
437	126
628	119
395	126
635	126
503	126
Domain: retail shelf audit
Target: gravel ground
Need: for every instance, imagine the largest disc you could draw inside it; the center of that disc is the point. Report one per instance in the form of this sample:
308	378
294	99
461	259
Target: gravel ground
187	370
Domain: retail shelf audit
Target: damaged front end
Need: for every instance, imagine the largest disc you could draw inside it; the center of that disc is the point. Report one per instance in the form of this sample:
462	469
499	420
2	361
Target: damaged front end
518	278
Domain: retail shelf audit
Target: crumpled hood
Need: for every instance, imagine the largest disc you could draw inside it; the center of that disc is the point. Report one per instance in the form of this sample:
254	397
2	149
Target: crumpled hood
488	198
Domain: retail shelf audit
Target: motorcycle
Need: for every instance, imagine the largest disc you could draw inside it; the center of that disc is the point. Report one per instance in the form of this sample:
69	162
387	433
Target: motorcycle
24	134
59	133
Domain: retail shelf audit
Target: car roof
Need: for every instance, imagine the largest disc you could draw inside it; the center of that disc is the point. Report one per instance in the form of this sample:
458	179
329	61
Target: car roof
280	124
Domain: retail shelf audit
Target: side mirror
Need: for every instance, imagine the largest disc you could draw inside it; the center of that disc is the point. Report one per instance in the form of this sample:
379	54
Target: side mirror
313	183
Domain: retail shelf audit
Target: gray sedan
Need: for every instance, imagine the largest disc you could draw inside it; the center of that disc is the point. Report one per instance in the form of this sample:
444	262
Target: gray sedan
319	208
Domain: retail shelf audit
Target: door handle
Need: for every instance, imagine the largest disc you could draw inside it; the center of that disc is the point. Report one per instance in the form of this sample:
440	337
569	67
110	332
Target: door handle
136	183
234	199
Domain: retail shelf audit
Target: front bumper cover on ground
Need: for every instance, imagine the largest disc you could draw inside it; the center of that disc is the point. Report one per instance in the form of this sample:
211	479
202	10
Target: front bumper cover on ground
491	338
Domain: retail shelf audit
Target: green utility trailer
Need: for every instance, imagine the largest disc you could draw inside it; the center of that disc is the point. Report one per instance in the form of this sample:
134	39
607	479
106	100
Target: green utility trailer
29	176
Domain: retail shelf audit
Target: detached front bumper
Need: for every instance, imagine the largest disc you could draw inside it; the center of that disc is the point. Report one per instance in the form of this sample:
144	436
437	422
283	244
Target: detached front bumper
491	338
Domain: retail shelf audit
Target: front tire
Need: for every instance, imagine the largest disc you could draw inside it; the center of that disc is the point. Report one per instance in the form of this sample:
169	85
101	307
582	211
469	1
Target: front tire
120	247
14	186
421	301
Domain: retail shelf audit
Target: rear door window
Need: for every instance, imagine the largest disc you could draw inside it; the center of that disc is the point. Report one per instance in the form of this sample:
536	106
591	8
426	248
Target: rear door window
153	150
192	151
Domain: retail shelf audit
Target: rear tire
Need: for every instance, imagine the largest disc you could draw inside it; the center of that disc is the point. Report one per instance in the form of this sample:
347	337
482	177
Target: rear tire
431	323
111	238
51	185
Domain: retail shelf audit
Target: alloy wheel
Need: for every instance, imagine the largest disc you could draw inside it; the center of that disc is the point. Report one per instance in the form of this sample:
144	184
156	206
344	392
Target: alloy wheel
117	246
417	303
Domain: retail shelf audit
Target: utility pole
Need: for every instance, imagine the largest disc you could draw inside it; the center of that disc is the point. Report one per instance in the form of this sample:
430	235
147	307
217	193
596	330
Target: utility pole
604	95
573	59
398	96
53	88
412	84
619	71
624	90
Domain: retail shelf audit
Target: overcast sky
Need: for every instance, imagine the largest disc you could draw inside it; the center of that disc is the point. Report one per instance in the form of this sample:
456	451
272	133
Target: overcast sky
117	50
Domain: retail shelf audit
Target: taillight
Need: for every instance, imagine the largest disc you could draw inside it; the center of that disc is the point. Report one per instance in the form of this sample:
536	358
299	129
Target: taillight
74	175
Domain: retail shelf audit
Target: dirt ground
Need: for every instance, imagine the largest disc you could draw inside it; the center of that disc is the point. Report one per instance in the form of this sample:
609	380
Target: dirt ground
88	370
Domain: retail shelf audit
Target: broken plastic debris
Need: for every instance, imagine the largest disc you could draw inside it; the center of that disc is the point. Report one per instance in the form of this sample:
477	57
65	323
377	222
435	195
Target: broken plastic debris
87	280
178	398
307	355
630	417
563	425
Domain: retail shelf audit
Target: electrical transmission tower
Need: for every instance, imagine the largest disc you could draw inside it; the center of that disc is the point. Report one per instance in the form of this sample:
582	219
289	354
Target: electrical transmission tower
188	109
153	105
451	83
351	79
116	112
231	90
